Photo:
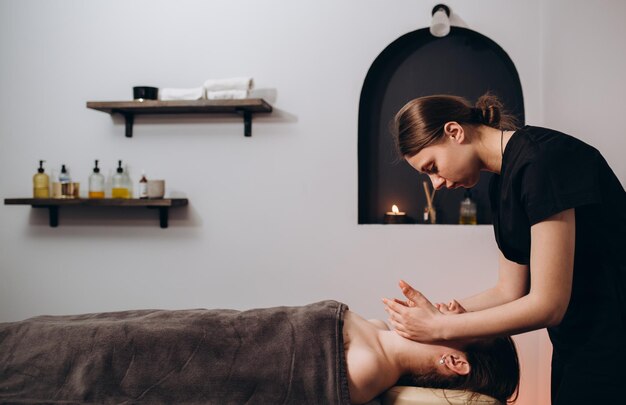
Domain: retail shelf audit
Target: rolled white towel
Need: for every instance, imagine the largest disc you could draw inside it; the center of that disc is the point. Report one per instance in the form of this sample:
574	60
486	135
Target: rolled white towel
195	93
233	83
227	94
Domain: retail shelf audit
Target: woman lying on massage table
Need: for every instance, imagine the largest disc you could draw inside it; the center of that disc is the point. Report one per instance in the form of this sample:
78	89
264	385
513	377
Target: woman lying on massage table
378	358
320	353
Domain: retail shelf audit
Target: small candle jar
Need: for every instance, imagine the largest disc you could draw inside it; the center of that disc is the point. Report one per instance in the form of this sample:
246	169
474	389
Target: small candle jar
395	216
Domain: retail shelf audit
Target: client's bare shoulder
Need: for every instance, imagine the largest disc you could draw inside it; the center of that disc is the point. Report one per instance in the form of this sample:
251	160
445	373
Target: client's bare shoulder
380	324
369	371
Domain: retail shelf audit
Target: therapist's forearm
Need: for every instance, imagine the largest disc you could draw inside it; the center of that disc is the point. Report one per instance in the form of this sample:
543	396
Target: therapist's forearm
486	299
549	286
519	316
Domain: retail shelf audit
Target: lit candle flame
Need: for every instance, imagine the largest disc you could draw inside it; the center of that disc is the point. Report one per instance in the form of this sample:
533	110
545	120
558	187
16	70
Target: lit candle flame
395	209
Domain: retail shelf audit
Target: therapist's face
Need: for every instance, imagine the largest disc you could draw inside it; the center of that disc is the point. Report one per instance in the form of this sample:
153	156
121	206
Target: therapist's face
450	163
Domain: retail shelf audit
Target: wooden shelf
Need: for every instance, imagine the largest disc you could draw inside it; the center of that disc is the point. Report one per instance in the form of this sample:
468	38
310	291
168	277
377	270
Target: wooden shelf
129	109
53	204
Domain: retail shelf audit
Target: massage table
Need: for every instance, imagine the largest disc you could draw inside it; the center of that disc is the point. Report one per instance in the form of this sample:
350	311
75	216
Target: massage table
260	356
400	395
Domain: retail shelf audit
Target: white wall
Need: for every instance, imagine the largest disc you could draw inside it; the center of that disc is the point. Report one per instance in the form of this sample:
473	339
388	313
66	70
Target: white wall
585	65
273	218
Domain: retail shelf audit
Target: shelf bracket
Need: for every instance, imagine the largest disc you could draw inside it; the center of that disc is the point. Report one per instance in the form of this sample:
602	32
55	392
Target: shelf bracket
247	122
54	216
130	119
163	216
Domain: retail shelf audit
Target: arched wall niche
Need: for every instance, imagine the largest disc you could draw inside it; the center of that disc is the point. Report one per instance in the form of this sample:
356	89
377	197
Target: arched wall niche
463	63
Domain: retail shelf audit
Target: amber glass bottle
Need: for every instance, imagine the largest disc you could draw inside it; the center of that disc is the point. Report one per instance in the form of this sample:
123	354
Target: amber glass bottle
41	183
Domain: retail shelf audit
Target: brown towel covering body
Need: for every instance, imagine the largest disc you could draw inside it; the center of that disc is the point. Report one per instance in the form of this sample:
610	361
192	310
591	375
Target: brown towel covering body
281	355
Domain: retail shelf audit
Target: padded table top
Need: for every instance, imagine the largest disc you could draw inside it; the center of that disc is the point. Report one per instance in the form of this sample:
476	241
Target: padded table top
400	395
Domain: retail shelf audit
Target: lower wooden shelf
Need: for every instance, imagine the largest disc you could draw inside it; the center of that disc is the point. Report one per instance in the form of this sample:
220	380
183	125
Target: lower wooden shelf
53	204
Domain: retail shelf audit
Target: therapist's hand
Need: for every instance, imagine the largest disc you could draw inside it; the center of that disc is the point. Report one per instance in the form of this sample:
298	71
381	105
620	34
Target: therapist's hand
451	308
418	321
407	303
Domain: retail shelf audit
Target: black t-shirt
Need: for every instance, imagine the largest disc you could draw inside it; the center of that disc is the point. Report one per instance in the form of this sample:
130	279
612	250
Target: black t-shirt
543	173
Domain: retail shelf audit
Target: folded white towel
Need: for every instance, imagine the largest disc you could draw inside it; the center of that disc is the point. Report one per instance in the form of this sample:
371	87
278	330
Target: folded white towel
233	83
227	94
195	93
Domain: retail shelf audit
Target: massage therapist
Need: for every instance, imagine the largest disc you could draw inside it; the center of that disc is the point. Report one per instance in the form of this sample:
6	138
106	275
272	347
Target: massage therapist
559	215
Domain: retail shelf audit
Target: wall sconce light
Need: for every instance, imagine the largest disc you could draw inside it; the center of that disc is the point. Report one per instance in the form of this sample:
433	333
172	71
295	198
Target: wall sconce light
440	25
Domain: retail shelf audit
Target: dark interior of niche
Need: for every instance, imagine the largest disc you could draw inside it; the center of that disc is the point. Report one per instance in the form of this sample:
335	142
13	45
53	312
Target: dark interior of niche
463	63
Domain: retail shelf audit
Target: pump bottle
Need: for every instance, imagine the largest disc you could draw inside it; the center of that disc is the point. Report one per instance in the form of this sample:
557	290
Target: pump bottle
96	183
41	183
128	182
66	183
119	187
143	185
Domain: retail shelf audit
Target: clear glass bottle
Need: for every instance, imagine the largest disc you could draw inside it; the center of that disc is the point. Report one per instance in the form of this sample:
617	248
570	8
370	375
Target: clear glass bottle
66	183
467	212
55	189
143	185
119	188
108	184
96	183
128	181
41	183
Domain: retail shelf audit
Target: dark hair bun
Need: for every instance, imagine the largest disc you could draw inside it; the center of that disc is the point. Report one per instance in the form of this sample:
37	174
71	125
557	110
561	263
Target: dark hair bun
490	110
489	116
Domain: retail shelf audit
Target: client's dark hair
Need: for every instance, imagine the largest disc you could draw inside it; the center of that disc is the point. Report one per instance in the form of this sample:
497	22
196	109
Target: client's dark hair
494	371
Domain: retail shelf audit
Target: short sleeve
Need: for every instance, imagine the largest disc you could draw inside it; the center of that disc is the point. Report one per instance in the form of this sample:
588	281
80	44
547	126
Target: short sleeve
557	179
